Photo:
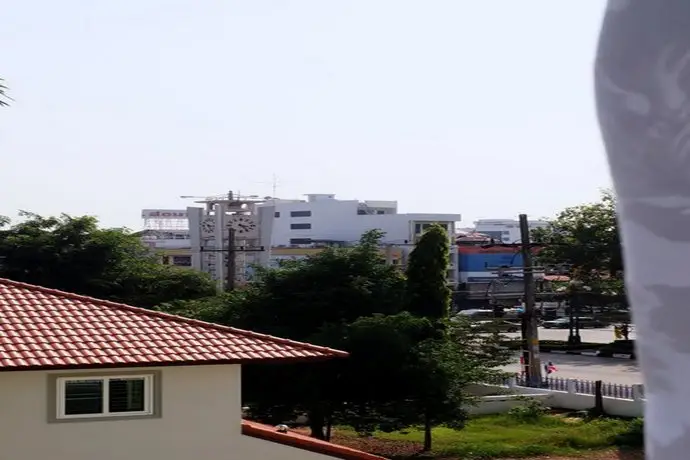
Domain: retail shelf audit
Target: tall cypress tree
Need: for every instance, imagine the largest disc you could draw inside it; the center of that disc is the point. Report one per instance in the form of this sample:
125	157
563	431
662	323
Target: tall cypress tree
428	294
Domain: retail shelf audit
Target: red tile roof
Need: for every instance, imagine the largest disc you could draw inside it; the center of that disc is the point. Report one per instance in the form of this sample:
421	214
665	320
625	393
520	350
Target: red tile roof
300	441
44	328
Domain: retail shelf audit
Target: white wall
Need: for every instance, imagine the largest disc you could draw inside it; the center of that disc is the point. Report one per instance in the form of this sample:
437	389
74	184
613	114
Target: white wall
564	400
200	419
333	219
490	405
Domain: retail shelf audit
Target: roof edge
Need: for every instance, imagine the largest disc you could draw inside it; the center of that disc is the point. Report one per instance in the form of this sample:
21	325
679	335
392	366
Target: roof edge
149	364
303	442
181	319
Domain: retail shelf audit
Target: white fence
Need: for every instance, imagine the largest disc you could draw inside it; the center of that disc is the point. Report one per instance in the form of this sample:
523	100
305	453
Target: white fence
497	399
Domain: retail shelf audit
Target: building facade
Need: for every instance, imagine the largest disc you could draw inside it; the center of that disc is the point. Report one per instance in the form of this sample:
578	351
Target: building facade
166	231
323	219
505	230
488	275
283	229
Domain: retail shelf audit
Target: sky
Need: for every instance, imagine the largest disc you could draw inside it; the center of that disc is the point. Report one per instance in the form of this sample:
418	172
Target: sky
482	108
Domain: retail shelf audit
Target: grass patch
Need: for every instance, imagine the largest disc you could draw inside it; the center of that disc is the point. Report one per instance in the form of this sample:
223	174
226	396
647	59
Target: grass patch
502	436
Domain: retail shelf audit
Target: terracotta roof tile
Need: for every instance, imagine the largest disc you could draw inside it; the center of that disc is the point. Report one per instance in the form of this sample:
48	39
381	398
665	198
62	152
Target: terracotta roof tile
45	328
300	441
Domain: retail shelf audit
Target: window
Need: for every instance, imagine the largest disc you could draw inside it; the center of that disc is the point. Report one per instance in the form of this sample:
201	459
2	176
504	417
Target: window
276	214
300	240
304	226
182	261
300	213
420	228
82	397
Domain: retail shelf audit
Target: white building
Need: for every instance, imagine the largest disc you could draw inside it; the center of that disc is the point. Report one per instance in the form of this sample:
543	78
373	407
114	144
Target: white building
322	218
97	380
505	230
193	237
167	232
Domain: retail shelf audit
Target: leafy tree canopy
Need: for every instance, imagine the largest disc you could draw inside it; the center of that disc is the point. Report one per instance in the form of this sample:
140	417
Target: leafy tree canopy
403	369
585	237
428	293
75	255
331	288
416	374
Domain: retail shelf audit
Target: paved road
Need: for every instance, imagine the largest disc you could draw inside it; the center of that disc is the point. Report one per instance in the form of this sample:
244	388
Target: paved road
624	371
588	335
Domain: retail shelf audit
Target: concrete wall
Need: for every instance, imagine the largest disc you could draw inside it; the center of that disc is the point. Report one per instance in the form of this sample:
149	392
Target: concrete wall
559	400
200	419
502	404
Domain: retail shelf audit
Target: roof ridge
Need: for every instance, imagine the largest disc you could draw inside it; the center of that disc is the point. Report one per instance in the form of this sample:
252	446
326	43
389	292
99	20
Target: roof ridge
169	316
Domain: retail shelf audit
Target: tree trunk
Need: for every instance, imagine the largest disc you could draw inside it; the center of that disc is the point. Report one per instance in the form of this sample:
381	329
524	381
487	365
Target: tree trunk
329	427
427	433
317	423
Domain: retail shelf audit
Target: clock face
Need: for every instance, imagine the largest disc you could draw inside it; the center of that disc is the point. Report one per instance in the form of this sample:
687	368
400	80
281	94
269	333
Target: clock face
208	226
242	224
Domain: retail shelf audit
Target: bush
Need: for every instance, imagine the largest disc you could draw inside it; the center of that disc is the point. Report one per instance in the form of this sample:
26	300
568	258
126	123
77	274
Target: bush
626	347
531	412
633	436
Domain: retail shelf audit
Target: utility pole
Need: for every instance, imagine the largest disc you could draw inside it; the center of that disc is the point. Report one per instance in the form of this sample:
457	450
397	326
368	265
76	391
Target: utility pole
530	331
231	269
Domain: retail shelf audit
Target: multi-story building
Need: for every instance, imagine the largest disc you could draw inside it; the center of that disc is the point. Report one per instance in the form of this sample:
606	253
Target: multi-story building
504	230
323	219
166	231
285	229
488	274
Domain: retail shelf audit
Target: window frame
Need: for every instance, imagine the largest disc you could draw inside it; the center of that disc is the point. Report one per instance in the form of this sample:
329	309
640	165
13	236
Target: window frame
57	403
300	226
301	213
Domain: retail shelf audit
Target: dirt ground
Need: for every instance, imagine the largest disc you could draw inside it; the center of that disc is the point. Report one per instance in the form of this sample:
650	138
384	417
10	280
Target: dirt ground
401	449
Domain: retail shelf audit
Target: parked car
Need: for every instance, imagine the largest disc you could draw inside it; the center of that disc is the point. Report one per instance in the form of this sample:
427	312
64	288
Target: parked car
564	323
497	325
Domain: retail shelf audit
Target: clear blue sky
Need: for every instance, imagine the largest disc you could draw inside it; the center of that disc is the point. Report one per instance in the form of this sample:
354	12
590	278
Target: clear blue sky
123	105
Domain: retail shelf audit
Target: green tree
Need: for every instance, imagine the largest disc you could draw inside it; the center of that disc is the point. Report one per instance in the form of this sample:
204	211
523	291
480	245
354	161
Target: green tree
427	292
416	374
586	238
312	300
403	369
75	255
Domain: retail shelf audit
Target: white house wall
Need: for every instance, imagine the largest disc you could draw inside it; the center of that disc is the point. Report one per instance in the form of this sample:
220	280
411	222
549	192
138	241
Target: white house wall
201	419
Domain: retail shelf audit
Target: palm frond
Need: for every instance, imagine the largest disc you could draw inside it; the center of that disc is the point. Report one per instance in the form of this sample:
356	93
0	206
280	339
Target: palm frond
4	98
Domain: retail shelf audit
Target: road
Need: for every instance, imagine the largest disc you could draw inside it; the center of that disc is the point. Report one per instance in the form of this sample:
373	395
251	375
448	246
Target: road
604	335
624	371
